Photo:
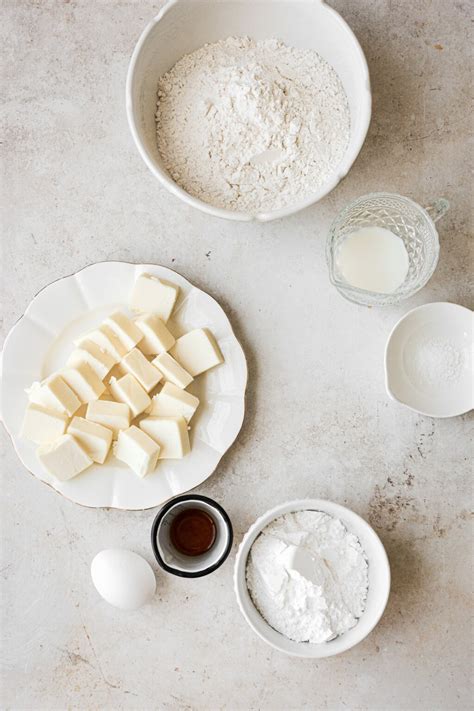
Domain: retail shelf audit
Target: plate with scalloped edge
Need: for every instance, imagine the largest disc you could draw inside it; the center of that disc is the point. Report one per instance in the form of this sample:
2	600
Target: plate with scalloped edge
40	342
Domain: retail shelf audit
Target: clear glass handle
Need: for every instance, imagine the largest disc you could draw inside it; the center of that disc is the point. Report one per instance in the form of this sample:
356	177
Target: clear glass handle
437	209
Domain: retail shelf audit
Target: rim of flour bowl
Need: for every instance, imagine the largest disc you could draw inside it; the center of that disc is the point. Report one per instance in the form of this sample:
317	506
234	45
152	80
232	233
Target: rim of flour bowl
340	172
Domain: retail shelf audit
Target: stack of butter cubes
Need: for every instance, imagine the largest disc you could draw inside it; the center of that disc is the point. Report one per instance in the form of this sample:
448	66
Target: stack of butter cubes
123	386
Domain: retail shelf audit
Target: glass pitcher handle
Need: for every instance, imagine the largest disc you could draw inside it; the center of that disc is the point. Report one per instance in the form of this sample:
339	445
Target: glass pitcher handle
437	209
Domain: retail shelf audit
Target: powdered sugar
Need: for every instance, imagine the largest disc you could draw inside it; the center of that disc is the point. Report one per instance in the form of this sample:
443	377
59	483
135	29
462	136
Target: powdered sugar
253	126
321	603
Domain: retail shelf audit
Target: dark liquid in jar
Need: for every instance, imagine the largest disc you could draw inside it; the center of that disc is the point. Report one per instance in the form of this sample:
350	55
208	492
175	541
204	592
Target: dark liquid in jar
193	532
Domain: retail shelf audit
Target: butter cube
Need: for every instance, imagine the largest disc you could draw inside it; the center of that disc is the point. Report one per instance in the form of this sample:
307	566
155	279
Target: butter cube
107	340
172	401
172	371
138	450
84	381
98	359
55	394
154	295
93	438
137	365
156	337
64	458
197	351
129	391
116	372
113	415
171	433
124	328
42	425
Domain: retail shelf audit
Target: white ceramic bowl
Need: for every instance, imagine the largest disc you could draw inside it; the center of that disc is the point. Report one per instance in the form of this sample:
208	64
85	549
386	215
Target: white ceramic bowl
172	560
183	26
379	581
428	360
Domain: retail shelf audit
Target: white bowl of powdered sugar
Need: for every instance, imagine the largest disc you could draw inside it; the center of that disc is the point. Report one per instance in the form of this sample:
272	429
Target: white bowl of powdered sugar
247	109
311	578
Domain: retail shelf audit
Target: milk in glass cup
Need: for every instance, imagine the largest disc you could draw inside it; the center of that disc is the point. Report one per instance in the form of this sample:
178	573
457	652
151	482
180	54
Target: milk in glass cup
383	248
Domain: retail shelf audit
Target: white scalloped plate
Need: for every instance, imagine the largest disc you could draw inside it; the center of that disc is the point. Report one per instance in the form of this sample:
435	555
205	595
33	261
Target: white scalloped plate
41	340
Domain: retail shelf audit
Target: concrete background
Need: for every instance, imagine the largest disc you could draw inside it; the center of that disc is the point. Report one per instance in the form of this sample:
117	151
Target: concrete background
318	420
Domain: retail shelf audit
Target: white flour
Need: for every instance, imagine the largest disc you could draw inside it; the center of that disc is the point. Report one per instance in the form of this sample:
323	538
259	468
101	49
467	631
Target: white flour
248	125
304	610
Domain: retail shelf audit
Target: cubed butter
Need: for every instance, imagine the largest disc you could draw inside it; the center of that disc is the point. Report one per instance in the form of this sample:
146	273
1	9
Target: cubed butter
116	372
42	425
137	365
106	339
154	295
113	415
171	433
84	381
129	391
94	439
124	328
95	356
172	401
156	337
64	458
107	395
55	394
81	412
172	371
197	351
138	450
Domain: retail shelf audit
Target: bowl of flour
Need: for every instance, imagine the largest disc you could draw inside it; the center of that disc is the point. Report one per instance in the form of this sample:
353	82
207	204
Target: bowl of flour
245	114
311	578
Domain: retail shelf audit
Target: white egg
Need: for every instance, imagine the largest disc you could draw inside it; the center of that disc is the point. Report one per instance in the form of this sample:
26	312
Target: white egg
123	578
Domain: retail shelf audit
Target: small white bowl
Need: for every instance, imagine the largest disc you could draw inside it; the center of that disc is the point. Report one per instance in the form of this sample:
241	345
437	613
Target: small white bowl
428	360
174	562
377	596
183	26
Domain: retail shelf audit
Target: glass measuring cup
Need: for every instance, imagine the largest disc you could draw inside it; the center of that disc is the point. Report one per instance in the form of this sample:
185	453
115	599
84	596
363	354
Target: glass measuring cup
414	224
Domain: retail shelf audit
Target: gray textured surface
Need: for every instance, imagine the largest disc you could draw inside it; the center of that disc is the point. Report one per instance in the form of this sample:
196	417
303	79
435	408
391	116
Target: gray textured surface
318	421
